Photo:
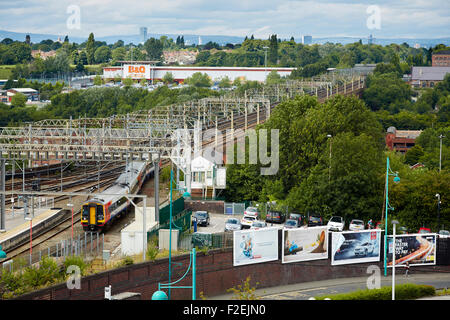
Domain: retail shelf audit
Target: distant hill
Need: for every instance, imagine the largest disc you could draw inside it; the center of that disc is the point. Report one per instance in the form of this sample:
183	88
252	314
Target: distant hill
222	40
188	39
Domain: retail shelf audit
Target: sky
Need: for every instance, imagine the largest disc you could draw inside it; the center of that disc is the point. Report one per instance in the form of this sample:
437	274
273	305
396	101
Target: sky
320	18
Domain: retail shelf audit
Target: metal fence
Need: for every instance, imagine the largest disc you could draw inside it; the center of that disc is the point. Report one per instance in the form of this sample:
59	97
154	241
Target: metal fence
87	244
188	241
234	208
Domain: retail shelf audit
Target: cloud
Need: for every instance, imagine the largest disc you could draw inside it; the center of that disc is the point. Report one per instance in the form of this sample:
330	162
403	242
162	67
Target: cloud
320	18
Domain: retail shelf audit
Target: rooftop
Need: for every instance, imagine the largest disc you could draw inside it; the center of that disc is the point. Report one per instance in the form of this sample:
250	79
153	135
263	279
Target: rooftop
429	73
442	52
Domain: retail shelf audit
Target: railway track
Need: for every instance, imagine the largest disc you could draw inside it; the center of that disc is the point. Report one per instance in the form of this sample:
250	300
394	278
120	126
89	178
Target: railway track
239	122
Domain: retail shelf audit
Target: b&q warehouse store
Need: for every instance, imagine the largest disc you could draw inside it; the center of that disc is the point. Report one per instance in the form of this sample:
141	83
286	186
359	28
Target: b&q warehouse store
139	70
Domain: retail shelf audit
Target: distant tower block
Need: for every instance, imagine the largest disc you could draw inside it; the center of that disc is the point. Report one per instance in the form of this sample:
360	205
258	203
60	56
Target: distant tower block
143	34
307	39
199	41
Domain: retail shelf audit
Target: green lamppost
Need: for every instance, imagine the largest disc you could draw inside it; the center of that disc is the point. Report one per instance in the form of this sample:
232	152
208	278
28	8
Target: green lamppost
389	172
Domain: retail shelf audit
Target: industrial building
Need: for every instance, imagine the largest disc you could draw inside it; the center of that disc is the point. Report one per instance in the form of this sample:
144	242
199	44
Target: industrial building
401	140
31	94
138	70
427	77
441	59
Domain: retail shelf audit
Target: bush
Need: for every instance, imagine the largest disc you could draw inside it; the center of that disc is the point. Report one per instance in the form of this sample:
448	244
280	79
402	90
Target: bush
75	261
48	272
402	292
152	251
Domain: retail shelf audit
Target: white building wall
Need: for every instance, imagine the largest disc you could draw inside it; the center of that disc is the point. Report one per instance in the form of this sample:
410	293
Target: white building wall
215	73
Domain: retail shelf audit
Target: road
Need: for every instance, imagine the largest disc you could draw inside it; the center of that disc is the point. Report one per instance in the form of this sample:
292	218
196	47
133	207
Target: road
306	290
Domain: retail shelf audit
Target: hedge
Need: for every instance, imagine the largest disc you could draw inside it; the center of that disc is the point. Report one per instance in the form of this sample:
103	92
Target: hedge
406	291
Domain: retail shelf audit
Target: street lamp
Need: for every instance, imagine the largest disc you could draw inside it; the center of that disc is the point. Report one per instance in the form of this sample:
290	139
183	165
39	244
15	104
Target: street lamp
389	172
265	60
394	222
440	151
329	136
438	207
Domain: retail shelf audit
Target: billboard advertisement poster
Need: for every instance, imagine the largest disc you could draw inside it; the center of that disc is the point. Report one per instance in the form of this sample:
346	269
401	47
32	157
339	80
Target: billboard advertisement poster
304	244
416	249
136	71
355	247
255	246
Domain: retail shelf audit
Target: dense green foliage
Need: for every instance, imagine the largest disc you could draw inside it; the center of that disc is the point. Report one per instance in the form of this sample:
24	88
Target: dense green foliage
100	102
407	291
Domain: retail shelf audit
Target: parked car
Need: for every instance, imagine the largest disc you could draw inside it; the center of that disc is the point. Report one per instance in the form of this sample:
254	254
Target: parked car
356	225
232	224
275	216
336	223
444	234
257	224
315	220
297	216
363	249
247	221
202	218
424	230
291	224
251	212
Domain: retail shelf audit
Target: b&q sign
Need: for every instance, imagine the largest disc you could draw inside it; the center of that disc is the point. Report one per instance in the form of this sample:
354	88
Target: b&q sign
137	71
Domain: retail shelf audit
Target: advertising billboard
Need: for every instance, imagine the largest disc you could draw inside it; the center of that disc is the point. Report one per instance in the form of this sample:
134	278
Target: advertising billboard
355	247
417	249
255	246
304	244
136	71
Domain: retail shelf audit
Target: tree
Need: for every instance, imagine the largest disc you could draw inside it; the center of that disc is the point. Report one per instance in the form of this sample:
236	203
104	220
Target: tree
199	79
225	82
90	49
273	78
413	155
154	48
102	54
66	38
273	49
168	78
18	100
98	81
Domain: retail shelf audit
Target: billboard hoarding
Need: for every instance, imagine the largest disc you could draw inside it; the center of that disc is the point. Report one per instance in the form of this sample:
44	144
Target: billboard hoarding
304	244
255	246
416	249
355	247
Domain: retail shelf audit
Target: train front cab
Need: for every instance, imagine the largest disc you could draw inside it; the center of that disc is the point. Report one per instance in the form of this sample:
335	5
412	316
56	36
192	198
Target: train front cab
92	216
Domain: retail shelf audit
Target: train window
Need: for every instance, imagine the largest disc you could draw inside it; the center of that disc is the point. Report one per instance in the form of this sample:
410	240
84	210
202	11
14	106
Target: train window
85	211
100	212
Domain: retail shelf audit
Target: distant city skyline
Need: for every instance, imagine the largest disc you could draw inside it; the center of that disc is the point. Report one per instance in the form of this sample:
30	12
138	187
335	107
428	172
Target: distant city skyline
320	18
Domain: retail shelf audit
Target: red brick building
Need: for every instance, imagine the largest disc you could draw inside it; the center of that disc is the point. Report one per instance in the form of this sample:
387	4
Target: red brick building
441	59
401	140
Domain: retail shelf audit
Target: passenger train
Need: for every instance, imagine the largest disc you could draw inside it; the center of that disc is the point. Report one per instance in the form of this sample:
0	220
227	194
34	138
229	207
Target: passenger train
99	212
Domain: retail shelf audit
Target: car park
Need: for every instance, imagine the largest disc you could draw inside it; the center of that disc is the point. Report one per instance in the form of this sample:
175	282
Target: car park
315	220
297	216
251	211
247	221
202	218
356	225
336	223
232	224
275	216
291	224
364	249
257	224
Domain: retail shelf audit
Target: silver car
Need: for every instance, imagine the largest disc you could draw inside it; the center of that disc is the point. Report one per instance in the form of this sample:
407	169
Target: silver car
232	224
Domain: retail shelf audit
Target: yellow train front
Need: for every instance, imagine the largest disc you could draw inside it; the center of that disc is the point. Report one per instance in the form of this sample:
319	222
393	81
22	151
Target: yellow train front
101	210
